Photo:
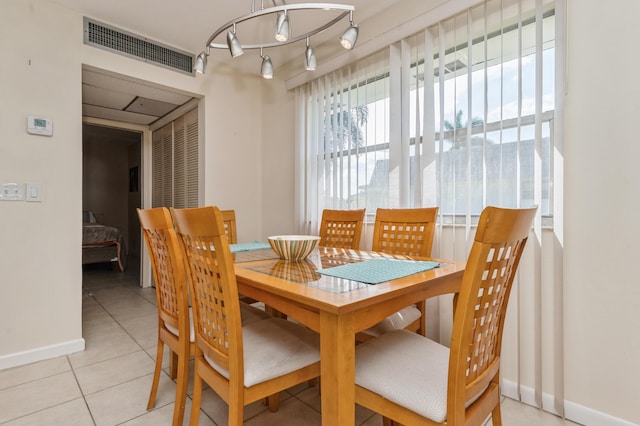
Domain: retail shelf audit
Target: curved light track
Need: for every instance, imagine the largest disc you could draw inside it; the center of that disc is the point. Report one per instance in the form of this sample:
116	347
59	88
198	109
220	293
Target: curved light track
345	8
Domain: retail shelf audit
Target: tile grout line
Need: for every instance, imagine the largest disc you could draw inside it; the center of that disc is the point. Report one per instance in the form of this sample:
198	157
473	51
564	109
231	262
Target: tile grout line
143	350
84	397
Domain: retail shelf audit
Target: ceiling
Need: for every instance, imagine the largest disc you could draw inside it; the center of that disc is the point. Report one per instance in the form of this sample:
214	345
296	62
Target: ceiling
185	25
111	97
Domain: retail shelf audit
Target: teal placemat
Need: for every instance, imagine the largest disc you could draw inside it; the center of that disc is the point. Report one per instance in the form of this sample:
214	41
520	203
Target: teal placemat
378	270
256	245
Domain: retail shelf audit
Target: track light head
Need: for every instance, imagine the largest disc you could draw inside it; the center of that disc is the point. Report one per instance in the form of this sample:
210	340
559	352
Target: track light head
201	63
283	29
266	70
309	58
235	48
349	37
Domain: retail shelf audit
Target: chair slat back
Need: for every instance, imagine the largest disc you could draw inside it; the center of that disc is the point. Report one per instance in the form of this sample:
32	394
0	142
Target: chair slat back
482	303
214	292
341	228
167	266
229	218
406	232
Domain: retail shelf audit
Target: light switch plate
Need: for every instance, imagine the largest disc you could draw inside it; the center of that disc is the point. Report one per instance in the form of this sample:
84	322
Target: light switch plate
34	192
11	191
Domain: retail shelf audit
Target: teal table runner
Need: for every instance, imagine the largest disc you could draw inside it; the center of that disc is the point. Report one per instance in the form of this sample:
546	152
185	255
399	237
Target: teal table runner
378	270
256	245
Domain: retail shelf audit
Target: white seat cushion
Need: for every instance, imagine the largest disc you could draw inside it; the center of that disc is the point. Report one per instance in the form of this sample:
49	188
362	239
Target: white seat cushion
407	369
192	332
248	313
396	321
274	347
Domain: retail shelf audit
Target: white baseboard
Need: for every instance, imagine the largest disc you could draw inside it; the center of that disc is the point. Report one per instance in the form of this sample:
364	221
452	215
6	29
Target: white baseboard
527	396
40	354
587	416
572	411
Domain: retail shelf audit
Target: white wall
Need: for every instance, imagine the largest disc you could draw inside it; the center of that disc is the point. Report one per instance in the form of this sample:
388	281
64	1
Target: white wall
277	180
40	249
602	207
40	243
233	147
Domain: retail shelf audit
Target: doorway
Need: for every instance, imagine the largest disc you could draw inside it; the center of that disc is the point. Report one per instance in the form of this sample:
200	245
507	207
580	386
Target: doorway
111	192
119	103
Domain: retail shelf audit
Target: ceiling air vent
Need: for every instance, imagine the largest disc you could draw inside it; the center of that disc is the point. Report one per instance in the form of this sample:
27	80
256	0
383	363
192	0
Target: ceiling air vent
109	38
450	67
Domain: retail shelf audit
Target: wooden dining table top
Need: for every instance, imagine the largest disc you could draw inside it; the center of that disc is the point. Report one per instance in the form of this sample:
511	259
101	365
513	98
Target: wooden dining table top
337	308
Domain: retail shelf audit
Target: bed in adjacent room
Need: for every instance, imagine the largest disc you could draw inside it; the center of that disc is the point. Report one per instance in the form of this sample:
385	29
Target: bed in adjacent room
101	243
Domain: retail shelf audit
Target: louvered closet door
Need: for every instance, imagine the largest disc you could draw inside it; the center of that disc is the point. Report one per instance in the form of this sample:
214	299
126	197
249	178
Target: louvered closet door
191	155
162	160
179	176
175	163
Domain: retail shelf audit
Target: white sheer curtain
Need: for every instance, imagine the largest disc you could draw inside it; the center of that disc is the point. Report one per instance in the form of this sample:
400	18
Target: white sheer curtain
460	115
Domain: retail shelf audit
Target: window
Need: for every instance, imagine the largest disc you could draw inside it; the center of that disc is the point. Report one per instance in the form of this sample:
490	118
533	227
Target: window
459	116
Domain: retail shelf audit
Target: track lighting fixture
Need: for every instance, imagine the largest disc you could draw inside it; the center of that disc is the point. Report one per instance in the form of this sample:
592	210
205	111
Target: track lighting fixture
283	35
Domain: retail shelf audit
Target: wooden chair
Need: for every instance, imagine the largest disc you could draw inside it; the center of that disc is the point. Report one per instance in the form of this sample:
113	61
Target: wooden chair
410	379
229	218
341	228
408	232
405	231
242	364
174	325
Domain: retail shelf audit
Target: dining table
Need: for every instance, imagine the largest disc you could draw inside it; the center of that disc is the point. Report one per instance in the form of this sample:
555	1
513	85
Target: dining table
338	307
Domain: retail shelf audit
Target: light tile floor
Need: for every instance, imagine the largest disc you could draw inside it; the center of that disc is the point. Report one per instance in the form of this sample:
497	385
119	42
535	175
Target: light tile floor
109	382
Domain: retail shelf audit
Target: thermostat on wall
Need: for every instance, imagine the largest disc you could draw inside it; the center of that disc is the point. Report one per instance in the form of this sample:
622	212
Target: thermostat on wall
39	126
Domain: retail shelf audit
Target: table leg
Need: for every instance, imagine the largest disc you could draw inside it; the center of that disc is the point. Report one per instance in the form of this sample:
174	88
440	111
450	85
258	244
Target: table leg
337	364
